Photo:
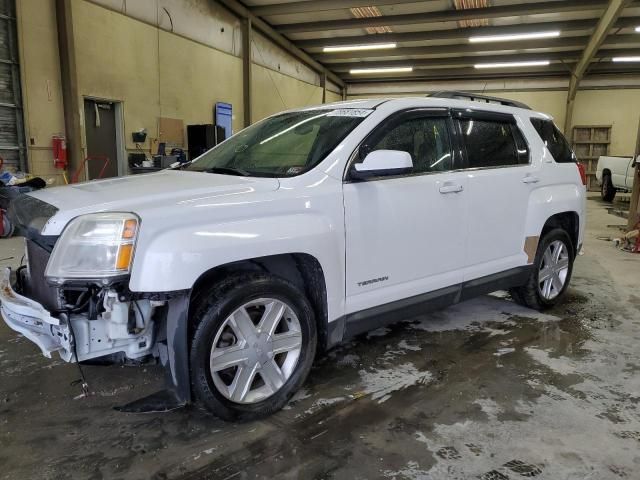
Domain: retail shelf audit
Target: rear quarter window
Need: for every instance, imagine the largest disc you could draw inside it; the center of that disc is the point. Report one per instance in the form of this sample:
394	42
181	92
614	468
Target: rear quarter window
554	140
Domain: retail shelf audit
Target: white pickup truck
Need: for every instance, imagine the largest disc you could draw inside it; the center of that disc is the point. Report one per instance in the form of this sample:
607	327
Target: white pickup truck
613	174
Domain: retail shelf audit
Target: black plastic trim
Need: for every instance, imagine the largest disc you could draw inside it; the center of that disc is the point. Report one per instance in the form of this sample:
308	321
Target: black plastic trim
514	277
29	215
336	332
375	317
372	318
474	114
173	350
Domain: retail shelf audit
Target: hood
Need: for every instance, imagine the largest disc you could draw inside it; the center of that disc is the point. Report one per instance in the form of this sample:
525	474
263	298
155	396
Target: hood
137	193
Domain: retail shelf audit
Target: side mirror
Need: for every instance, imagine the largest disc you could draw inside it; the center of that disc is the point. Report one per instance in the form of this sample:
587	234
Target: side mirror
382	163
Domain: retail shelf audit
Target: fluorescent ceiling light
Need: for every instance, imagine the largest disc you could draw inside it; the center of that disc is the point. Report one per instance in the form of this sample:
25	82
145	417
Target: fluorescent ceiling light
540	63
638	29
357	71
625	59
514	36
355	48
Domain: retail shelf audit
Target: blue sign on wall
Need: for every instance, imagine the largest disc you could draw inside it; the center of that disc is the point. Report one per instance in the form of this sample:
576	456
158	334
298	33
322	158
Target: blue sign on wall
224	114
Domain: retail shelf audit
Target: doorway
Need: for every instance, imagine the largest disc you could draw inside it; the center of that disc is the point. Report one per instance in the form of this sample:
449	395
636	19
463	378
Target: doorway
103	138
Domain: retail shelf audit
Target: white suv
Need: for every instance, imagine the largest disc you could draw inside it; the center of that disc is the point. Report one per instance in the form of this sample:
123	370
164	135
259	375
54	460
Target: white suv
307	228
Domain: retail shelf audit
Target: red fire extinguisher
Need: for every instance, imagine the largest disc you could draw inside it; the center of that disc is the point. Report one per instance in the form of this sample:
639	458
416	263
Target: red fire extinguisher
59	144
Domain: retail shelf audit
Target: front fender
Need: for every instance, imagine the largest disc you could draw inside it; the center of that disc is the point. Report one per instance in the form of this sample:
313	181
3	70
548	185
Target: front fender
174	259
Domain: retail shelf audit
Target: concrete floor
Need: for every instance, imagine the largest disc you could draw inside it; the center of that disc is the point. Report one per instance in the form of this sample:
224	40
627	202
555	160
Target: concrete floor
485	389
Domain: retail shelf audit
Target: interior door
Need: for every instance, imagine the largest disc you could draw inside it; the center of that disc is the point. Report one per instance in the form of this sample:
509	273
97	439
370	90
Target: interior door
405	235
500	180
100	127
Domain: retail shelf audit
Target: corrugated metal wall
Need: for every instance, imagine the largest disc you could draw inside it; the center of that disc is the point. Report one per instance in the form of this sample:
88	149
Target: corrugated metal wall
12	145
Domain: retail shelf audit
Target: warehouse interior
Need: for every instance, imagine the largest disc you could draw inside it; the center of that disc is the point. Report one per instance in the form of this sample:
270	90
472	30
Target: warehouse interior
488	389
145	55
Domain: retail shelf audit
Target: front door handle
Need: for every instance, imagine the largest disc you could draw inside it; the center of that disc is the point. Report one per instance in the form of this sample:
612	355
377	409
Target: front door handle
530	179
450	188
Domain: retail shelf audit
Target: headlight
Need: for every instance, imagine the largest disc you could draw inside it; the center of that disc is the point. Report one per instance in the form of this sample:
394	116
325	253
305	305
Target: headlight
96	246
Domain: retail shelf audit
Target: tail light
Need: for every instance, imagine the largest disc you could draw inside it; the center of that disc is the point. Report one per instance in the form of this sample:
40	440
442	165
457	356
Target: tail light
583	173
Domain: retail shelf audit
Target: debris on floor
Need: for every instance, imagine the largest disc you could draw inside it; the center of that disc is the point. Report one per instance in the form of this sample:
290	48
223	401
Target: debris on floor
630	241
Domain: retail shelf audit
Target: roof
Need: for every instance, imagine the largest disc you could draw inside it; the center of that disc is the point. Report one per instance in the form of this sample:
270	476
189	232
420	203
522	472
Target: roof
429	101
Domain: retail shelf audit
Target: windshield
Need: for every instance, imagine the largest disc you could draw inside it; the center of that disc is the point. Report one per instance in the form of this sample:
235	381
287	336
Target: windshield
281	146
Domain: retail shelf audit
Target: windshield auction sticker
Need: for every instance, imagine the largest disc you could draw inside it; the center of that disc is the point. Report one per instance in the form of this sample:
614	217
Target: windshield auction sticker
349	112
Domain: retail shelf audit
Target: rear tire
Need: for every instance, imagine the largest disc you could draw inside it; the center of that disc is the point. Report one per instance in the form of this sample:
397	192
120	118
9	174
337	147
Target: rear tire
253	345
607	190
551	272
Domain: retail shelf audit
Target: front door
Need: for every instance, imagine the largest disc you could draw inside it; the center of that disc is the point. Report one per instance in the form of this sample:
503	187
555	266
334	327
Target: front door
405	235
100	128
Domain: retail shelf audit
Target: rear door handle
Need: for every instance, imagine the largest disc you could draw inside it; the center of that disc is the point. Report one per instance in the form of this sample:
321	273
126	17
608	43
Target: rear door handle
530	179
450	188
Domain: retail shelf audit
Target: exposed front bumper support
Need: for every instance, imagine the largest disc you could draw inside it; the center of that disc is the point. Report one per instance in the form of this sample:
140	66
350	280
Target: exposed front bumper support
33	321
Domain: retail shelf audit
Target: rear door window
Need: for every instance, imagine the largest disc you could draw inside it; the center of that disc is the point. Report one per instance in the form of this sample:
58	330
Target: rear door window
493	143
554	140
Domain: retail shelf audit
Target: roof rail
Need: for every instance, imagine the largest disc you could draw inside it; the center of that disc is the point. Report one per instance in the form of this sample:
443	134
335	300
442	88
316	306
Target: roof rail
478	98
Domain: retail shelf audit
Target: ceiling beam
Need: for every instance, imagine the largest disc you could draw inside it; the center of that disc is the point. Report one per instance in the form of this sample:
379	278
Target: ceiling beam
567	43
464	48
607	20
466	73
461	73
571	55
426	63
461	33
515	10
264	28
323	6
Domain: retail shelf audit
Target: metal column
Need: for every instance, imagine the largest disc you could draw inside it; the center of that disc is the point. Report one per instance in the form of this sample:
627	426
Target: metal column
247	34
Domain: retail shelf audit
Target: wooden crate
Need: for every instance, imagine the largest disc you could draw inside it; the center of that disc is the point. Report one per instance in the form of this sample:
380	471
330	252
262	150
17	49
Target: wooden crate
589	143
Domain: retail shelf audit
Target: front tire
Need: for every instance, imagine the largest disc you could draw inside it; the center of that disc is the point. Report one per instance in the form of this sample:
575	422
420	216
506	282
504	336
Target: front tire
551	272
253	345
607	190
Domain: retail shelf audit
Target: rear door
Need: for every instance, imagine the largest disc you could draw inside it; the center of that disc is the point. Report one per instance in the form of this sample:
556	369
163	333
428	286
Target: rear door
500	180
406	234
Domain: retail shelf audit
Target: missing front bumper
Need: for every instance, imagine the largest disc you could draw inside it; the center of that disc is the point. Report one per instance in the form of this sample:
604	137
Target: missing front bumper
52	334
74	334
32	320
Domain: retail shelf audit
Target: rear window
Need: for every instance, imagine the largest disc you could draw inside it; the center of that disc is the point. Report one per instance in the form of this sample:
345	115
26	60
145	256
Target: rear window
554	140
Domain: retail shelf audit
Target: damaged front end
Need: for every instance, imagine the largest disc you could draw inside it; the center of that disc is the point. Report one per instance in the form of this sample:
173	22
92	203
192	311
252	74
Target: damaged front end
100	319
79	323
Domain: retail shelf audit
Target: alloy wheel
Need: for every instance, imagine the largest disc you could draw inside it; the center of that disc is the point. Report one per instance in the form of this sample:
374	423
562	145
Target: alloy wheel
554	269
256	350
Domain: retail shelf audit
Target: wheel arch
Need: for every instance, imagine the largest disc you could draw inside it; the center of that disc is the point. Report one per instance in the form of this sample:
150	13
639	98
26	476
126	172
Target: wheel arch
301	269
568	221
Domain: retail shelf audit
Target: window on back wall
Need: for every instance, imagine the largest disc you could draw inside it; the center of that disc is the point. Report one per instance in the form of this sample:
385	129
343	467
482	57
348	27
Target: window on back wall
491	143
